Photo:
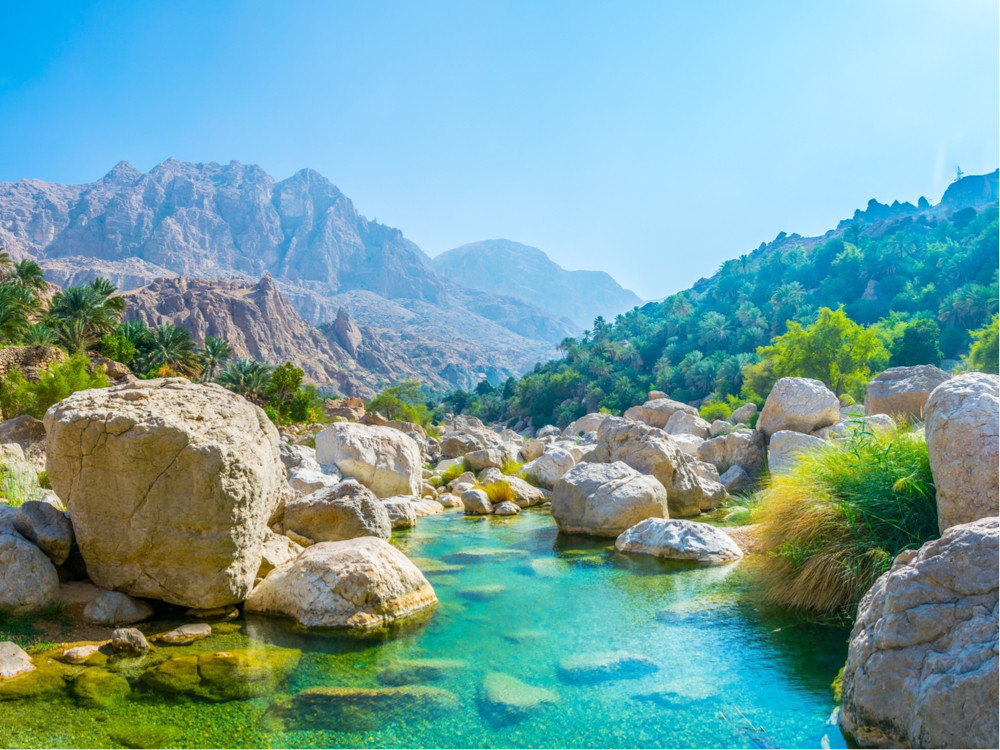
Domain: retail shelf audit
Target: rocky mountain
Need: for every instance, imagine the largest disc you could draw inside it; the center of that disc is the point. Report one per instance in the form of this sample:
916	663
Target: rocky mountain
528	274
234	221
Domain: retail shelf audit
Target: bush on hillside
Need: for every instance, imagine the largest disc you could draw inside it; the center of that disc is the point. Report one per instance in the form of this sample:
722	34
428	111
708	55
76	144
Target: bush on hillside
18	395
984	355
836	521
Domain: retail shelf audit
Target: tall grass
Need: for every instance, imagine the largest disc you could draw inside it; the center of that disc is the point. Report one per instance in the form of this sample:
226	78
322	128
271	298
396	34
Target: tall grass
511	467
498	491
835	522
18	482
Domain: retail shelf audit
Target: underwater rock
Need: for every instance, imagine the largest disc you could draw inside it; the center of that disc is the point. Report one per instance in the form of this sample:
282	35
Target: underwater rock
351	709
409	671
505	700
602	667
482	593
81	654
98	688
239	674
47	677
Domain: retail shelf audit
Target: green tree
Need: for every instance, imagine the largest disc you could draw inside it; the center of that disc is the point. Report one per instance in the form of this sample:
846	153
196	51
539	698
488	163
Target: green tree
85	313
17	306
404	401
984	354
171	348
28	275
247	377
214	353
918	345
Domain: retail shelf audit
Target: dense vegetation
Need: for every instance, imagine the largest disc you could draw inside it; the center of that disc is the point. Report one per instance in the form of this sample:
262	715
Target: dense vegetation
904	291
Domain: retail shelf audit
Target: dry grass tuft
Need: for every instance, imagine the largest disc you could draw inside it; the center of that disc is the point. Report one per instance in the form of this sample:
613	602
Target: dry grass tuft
499	492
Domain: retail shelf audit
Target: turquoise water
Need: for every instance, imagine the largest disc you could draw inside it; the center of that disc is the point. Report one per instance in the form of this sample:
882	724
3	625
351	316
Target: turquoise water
516	598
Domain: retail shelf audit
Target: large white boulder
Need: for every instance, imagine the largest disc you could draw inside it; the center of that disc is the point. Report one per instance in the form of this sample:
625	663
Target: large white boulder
962	440
344	511
684	423
28	579
170	486
903	390
585	424
359	583
677	539
922	664
606	499
384	460
657	413
798	404
550	466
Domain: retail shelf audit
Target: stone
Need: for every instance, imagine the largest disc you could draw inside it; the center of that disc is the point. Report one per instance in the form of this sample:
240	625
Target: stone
409	671
602	667
787	446
116	608
526	495
28	580
684	423
549	467
962	440
129	640
186	634
489	474
482	593
456	445
742	447
587	423
743	413
476	503
216	613
877	424
720	427
239	674
714	493
344	511
654	395
735	479
922	662
548	431
402	513
799	405
25	431
688	444
487	457
651	451
506	508
532	449
80	654
13	660
449	463
351	409
305	481
605	499
47	527
448	500
426	507
383	459
192	472
276	550
359	583
360	709
99	688
657	413
505	700
676	539
903	390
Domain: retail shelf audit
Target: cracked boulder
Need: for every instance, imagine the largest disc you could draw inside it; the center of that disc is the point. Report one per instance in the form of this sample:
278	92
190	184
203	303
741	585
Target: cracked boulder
169	486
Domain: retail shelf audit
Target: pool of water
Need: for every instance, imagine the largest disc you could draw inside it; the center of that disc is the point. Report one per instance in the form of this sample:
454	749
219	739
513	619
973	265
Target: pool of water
517	599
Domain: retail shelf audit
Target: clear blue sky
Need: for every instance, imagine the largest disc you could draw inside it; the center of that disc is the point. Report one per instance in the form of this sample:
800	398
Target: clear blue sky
652	140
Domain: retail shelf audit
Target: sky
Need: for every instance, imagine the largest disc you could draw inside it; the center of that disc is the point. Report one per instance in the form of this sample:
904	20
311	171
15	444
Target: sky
652	140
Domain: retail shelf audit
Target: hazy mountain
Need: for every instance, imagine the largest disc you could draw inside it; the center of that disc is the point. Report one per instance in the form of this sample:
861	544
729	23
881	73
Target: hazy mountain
528	274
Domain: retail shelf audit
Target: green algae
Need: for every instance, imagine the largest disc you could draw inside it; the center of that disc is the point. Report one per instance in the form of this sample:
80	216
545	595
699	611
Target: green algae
224	675
98	688
408	671
48	677
361	709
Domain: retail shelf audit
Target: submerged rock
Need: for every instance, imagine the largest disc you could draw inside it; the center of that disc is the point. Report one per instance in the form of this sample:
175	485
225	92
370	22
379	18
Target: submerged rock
408	671
505	700
677	539
617	665
98	688
186	634
352	709
224	675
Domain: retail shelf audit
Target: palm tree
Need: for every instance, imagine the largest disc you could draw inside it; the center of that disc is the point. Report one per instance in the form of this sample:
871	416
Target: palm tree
92	305
247	377
170	346
28	275
213	353
17	305
74	335
39	334
6	264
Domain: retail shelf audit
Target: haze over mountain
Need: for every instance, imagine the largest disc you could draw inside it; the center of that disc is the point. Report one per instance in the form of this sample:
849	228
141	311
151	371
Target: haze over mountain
528	274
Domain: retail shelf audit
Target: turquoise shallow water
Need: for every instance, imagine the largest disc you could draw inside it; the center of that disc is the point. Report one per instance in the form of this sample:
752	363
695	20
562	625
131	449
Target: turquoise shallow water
516	598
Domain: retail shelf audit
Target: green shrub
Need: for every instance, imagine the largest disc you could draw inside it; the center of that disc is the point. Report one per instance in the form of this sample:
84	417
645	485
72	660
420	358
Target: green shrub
19	396
498	492
510	467
835	522
43	480
452	473
18	482
712	410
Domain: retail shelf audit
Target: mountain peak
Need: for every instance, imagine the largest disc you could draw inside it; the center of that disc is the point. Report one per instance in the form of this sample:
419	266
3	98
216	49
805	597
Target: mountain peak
122	173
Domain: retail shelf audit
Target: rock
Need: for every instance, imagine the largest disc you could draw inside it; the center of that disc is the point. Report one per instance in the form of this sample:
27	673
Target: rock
402	513
922	664
359	583
476	502
13	660
505	700
675	539
743	448
305	481
28	579
487	457
654	395
506	508
799	405
345	511
359	709
192	472
713	492
606	499
688	444
548	431
426	507
786	447
743	413
276	550
216	613
587	423
547	469
525	495
80	654
684	423
128	640
239	674
651	451
116	608
186	634
962	416
657	413
877	423
456	445
735	479
448	500
532	449
45	526
408	671
720	427
601	667
25	431
490	474
351	409
99	688
384	460
903	390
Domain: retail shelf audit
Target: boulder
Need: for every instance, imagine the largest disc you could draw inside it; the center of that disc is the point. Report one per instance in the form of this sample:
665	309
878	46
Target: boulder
425	507
505	700
688	444
305	481
720	427
903	390
526	495
922	663
547	469
448	500
657	413
13	660
585	424
743	413
606	499
962	441
116	608
548	431
384	460
344	511
170	486
351	409
490	474
601	667
799	405
359	583
29	434
476	503
877	423
786	447
457	444
47	527
129	641
276	550
485	458
684	423
99	688
744	448
402	513
237	674
651	451
506	508
362	709
676	539
28	579
714	493
654	395
532	449
735	479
